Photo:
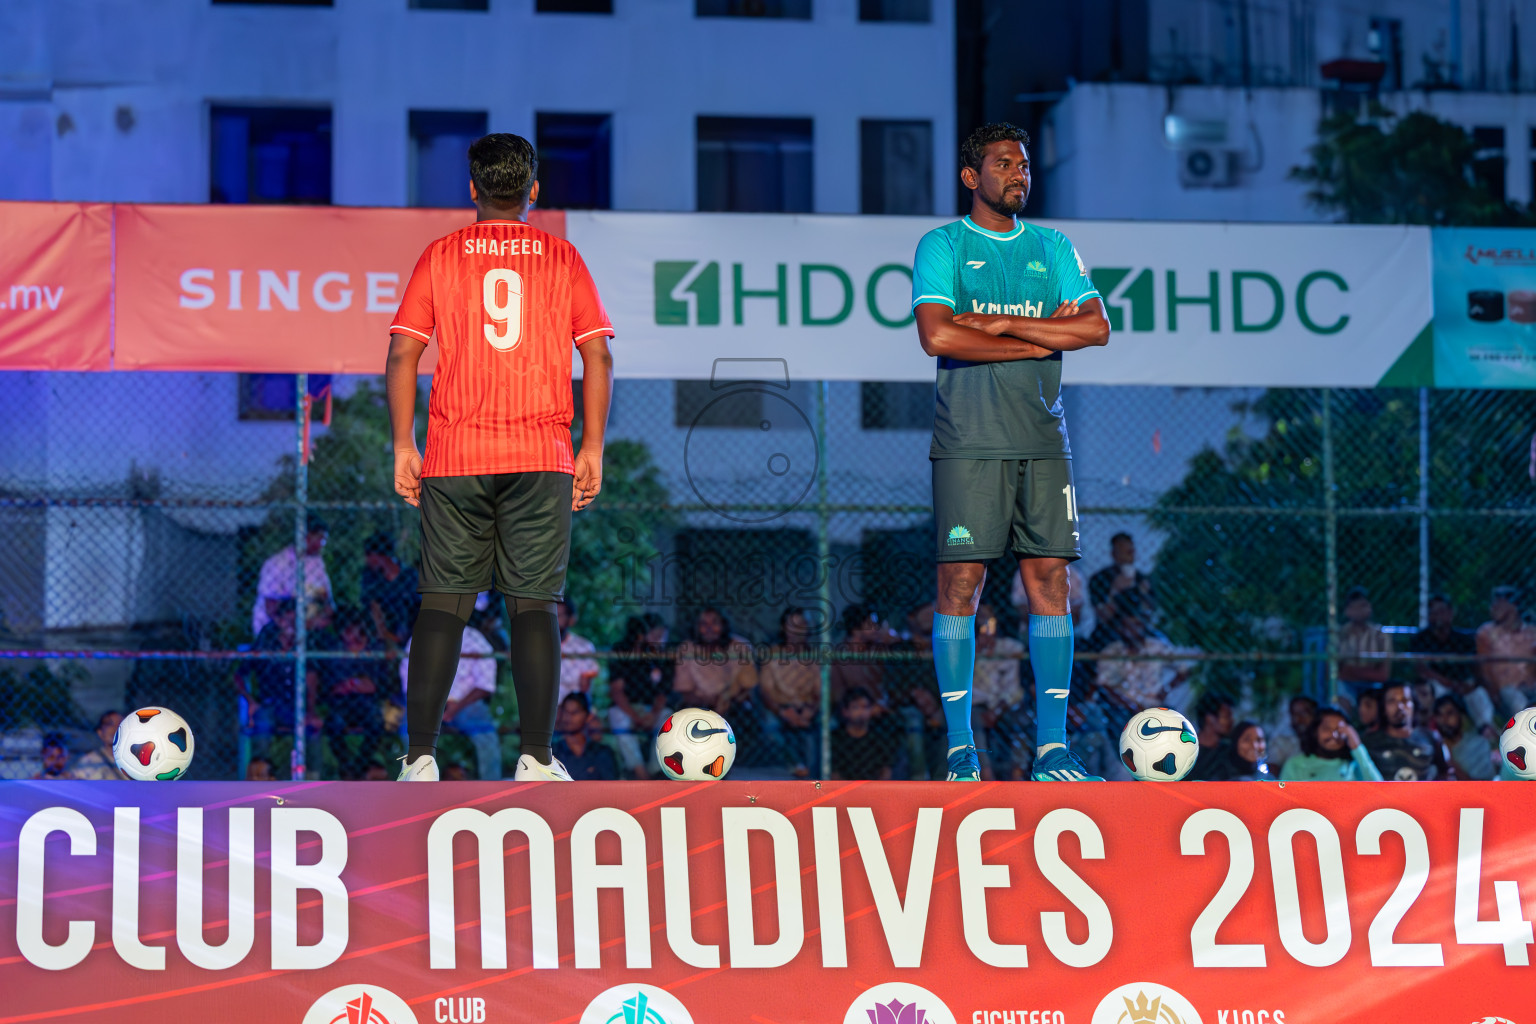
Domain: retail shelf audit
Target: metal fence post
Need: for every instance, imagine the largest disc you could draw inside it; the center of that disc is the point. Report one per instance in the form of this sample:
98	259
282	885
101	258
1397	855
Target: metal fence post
300	543
824	560
1330	548
1423	508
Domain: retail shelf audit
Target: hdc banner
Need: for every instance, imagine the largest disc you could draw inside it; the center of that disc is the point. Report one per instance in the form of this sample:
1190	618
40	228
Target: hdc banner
1190	304
277	289
865	903
56	286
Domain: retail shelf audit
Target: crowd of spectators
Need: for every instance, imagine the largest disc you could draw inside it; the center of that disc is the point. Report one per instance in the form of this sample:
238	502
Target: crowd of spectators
1428	718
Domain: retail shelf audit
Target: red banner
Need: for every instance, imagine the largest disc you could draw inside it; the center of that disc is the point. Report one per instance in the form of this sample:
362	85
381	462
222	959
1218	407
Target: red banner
56	287
873	903
275	289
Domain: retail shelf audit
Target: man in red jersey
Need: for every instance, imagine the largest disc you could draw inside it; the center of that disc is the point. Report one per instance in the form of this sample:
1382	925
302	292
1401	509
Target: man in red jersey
499	481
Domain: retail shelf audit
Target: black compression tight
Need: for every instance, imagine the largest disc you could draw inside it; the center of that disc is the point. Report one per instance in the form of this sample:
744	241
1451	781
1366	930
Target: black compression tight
535	656
435	641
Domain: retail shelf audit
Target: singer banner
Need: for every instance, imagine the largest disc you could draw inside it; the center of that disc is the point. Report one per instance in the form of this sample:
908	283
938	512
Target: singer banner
277	289
774	903
56	286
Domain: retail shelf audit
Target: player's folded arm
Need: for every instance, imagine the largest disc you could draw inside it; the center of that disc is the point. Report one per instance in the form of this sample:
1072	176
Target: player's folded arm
940	335
1087	328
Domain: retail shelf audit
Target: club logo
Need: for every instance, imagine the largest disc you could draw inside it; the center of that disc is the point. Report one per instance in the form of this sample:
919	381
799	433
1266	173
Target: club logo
898	1002
960	535
1035	267
360	1004
1145	1002
636	1004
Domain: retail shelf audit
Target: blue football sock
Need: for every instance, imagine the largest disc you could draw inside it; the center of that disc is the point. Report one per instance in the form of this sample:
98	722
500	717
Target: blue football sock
1050	655
954	659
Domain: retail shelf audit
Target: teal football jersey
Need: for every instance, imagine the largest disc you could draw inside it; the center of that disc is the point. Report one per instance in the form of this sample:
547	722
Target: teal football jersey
999	410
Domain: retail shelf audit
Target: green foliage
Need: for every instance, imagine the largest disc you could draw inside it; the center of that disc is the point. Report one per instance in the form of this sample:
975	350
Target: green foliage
1415	169
1243	566
43	697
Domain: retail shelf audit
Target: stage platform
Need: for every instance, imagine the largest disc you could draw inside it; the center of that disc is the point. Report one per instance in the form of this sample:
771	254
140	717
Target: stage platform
767	902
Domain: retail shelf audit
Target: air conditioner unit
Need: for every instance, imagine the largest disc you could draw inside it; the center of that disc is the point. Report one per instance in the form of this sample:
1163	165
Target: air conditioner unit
1208	168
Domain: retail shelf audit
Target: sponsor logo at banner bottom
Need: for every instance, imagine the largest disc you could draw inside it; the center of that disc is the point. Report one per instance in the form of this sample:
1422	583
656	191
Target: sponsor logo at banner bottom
635	1004
360	1004
1145	1002
897	1002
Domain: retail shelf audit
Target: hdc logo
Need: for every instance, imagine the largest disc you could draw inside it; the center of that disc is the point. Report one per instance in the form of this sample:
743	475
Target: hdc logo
691	293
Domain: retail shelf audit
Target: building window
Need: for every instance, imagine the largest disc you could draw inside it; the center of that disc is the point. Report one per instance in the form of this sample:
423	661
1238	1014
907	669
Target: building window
896	10
450	5
575	160
895	405
799	9
1488	159
695	402
573	7
896	167
439	174
1385	43
272	396
755	164
270	155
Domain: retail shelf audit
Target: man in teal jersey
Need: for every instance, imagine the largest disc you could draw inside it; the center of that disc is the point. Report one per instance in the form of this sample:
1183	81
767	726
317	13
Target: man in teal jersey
998	301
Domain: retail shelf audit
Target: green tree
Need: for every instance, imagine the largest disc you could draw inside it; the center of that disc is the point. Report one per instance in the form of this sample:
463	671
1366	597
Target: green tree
1243	564
1415	169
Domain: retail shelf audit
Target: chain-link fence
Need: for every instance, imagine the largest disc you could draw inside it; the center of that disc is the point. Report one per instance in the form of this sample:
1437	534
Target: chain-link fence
152	519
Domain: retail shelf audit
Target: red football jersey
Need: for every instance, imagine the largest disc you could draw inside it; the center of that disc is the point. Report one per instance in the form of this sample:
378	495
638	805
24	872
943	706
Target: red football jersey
506	300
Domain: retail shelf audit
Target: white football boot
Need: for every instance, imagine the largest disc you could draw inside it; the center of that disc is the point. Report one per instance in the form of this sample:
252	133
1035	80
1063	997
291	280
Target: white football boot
530	770
423	769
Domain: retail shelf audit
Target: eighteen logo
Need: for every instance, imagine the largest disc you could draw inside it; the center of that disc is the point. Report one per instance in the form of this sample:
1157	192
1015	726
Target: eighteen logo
1145	1002
897	1002
635	1004
360	1004
695	293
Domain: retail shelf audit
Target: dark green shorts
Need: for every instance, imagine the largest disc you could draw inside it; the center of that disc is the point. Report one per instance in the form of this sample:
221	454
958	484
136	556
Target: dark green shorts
985	508
510	531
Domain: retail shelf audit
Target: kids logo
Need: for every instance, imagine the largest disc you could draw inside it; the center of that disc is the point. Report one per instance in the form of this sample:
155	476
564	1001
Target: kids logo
1145	1002
635	1004
360	1004
898	1002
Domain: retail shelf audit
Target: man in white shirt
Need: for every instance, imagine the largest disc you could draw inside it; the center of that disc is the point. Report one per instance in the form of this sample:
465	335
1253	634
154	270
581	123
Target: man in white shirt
279	575
576	672
468	710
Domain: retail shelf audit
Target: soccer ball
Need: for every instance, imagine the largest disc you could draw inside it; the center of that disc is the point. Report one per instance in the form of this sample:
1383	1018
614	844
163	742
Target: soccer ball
153	745
1517	745
695	745
1158	745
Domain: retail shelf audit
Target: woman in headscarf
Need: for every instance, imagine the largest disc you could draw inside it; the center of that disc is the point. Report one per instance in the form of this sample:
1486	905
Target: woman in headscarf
1244	760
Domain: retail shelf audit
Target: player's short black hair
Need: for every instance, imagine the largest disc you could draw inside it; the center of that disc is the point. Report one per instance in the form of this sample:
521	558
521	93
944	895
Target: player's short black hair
854	693
503	167
579	698
974	148
1122	535
1209	706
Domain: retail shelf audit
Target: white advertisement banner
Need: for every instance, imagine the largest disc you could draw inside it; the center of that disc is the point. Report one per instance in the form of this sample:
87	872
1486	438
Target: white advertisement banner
1190	304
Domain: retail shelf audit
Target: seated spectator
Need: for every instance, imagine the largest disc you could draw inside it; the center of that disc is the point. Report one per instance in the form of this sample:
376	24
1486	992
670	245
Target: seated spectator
468	709
267	685
1403	753
789	684
259	769
1303	716
55	759
98	763
1119	577
279	578
1213	725
1358	638
714	665
1423	704
996	698
1243	759
639	690
454	771
1511	684
1471	753
376	772
864	632
583	757
1139	684
859	749
1331	751
388	592
352	691
576	671
1442	636
1368	711
914	687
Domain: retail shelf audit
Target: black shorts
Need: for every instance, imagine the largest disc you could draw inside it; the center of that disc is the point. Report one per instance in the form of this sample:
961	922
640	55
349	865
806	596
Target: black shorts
984	508
508	531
